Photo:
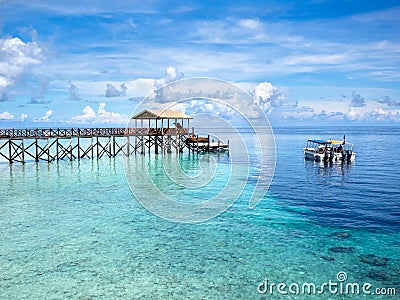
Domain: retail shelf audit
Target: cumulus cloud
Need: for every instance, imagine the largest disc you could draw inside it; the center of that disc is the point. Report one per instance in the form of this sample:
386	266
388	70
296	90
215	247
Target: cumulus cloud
46	117
23	117
200	96
6	116
262	94
332	112
17	59
389	101
357	100
112	91
88	116
102	116
171	75
204	106
380	114
268	96
139	87
263	90
73	92
353	115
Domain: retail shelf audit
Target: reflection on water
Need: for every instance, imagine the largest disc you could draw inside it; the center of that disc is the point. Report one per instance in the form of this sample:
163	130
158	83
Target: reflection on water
334	173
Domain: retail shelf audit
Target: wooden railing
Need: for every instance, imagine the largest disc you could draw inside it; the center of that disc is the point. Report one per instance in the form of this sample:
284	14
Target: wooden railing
41	133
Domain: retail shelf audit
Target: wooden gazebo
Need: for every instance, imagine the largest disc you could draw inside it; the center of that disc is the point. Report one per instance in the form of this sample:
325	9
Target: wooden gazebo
163	122
163	129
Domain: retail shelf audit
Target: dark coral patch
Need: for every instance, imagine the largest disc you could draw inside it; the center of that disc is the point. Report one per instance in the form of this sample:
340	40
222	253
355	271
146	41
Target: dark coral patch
327	258
341	235
374	260
341	249
379	275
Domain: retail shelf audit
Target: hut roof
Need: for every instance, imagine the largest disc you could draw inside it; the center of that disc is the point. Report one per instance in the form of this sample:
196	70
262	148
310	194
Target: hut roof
161	114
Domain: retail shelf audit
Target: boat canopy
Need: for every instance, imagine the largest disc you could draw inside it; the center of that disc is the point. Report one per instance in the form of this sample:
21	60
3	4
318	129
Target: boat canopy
322	142
333	142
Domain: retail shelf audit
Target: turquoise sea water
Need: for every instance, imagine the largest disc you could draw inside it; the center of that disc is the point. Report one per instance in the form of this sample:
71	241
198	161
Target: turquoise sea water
73	230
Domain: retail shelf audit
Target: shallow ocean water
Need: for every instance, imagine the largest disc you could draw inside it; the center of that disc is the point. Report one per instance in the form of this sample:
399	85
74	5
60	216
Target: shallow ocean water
75	230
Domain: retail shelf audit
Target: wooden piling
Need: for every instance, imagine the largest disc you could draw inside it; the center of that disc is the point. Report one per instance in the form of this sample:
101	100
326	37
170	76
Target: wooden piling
10	151
23	151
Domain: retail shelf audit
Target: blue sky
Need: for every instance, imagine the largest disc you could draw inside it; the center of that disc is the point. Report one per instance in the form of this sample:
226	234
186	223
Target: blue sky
70	63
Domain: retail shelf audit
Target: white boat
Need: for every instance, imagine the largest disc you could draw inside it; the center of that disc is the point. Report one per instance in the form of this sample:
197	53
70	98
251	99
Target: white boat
343	151
218	147
329	150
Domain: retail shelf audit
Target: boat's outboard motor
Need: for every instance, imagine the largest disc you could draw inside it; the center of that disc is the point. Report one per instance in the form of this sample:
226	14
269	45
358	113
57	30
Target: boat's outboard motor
349	156
331	155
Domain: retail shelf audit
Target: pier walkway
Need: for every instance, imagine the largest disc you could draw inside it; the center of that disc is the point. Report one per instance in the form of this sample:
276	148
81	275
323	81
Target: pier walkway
159	136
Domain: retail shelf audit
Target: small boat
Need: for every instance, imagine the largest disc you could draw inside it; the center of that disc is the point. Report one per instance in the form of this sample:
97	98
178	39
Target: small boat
329	150
218	147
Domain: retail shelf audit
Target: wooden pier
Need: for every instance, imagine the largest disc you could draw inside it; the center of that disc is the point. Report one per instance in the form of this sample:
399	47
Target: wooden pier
155	134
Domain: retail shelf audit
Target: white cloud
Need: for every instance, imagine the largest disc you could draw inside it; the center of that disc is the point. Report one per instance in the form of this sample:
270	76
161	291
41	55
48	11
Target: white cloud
205	95
3	82
23	117
340	109
6	116
380	114
263	93
171	75
140	87
102	117
268	97
88	116
17	58
46	117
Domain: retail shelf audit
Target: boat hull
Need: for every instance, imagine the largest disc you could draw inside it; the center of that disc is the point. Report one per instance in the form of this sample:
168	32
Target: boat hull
339	157
314	154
